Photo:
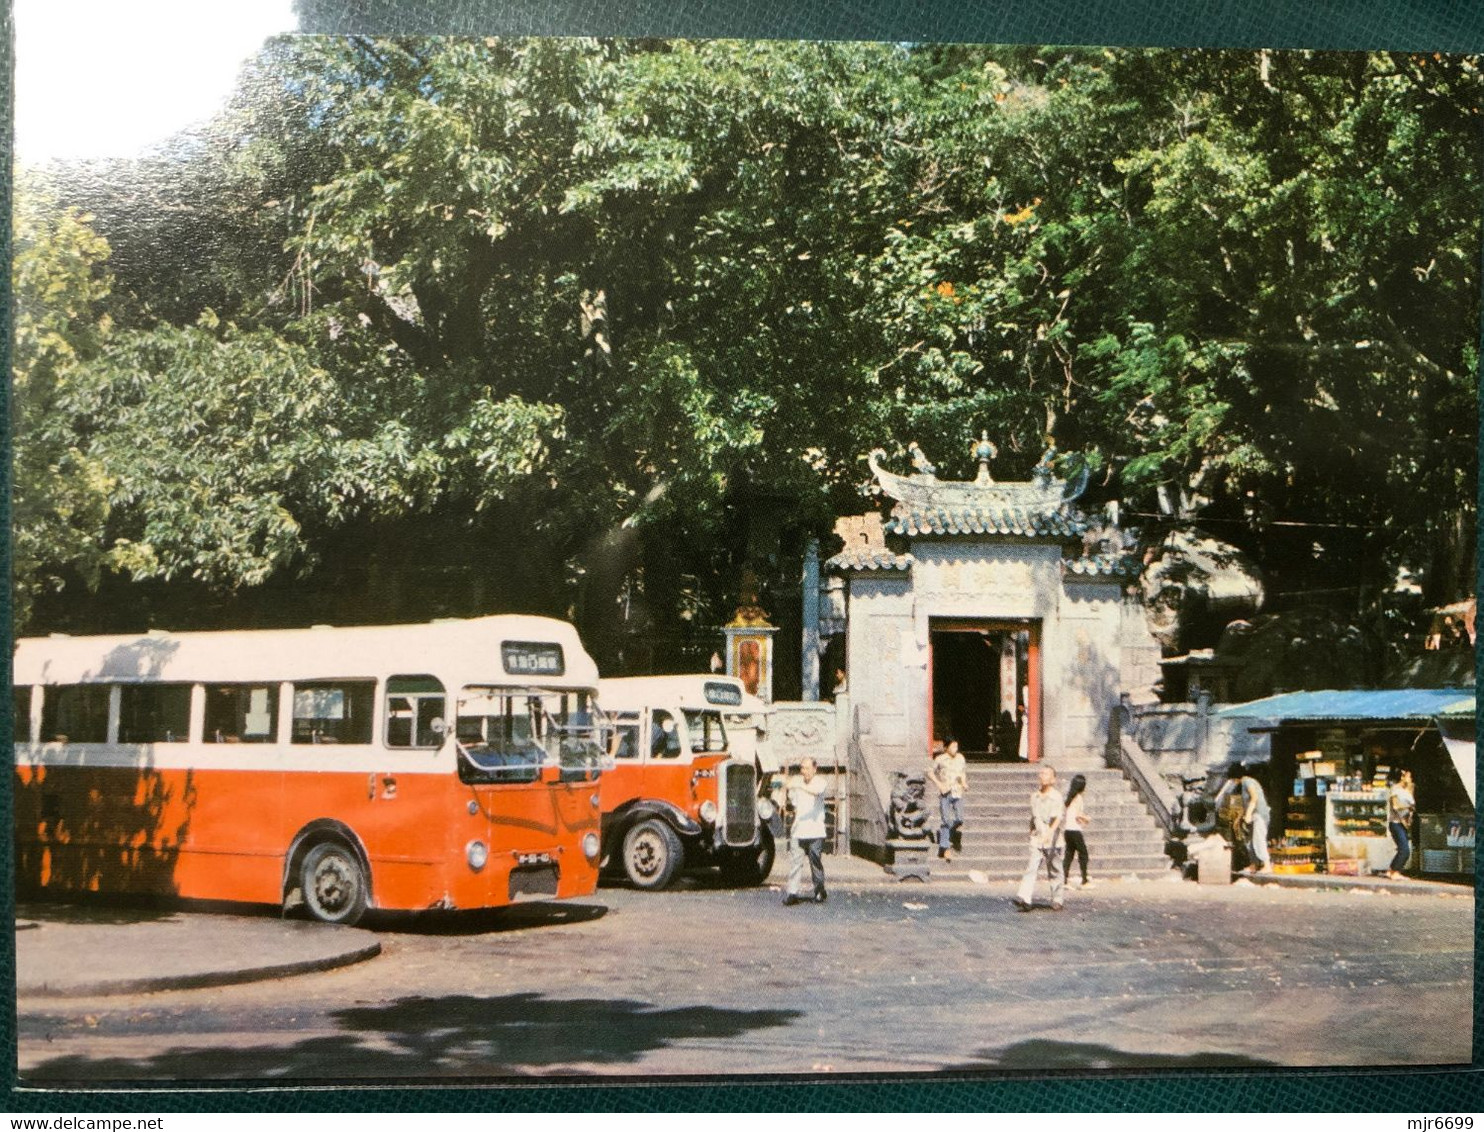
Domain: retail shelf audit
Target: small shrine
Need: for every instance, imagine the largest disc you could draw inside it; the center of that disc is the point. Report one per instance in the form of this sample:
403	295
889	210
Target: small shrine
749	637
991	612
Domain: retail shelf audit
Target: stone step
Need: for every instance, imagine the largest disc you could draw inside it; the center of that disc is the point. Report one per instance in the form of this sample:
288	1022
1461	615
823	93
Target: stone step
1029	784
1104	866
1119	807
1064	771
1114	793
1017	854
976	856
1124	837
1145	864
1017	834
1018	822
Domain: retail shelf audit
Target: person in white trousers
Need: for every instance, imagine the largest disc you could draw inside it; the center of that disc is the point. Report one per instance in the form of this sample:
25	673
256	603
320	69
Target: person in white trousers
1047	812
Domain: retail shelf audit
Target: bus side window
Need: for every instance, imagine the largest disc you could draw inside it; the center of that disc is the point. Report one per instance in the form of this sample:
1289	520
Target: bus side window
241	713
626	735
333	711
664	735
20	712
154	713
75	713
412	704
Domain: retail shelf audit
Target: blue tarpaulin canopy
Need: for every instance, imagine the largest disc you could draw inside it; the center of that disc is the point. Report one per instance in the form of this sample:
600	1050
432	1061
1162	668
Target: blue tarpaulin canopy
1450	709
1366	705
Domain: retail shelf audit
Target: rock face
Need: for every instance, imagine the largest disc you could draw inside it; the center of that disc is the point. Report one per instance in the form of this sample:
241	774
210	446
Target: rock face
1194	585
1305	648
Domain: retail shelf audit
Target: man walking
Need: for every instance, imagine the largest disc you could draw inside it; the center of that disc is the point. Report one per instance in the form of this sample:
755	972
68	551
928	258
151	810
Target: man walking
806	836
950	775
1047	811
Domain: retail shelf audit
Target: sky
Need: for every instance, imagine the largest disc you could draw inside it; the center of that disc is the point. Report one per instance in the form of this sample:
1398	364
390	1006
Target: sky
110	78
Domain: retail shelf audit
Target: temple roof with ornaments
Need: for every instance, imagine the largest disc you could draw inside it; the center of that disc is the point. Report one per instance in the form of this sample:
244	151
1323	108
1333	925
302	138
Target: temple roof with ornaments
1039	508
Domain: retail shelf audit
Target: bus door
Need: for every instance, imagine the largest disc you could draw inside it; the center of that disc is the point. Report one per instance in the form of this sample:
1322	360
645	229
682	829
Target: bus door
667	763
623	780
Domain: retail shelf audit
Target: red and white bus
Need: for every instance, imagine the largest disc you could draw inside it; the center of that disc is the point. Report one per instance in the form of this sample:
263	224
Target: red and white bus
446	765
674	796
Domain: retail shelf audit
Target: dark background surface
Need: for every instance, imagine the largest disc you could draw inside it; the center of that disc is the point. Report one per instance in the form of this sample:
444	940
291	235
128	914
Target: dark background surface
1431	25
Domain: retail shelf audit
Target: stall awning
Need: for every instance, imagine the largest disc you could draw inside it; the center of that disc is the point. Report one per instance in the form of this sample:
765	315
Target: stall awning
1457	730
1375	705
1451	710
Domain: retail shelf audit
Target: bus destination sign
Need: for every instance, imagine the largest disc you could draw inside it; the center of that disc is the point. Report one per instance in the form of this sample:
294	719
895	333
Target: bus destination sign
728	695
533	658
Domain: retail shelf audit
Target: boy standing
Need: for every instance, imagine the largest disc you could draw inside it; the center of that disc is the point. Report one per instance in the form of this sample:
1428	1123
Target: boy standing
1047	810
950	775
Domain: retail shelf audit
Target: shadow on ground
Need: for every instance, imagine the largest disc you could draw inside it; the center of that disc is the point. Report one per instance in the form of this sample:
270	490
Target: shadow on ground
1045	1054
85	908
452	1036
124	909
485	921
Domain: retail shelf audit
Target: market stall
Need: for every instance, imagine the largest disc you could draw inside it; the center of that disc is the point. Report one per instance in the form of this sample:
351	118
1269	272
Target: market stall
1330	754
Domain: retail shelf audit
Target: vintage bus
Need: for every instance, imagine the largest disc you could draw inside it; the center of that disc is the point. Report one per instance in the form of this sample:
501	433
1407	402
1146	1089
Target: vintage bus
673	796
446	765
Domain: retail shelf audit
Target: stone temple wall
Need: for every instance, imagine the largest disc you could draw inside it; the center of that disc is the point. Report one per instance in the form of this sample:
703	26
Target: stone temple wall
1081	626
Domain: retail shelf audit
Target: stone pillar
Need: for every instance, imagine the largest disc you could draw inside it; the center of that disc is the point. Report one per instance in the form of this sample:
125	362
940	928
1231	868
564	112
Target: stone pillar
810	667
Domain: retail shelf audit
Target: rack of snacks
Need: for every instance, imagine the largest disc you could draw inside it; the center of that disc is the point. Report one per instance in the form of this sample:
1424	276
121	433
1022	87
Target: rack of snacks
1301	848
1356	838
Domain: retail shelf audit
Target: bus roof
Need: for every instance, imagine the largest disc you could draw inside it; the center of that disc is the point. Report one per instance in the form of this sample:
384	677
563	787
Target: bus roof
690	690
472	650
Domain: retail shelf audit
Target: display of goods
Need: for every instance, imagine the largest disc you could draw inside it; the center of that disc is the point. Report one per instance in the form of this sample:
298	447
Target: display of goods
1345	866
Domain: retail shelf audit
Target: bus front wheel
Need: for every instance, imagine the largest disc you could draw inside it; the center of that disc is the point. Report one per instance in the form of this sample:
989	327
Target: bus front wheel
333	884
651	854
751	865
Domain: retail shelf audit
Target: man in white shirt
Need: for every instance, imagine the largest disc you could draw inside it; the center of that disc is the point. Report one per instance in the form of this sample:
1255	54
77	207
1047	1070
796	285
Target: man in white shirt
950	775
1047	813
806	798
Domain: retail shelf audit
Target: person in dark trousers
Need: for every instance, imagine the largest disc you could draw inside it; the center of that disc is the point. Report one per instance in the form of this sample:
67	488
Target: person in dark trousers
806	798
1400	805
950	774
1072	825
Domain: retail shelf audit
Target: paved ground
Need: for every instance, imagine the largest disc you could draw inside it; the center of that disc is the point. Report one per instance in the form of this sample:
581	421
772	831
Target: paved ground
64	951
882	978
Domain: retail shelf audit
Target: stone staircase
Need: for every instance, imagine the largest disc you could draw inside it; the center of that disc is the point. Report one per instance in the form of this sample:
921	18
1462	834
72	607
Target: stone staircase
1123	837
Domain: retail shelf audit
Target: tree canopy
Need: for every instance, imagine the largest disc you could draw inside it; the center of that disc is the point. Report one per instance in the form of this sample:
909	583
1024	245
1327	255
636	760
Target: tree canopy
585	326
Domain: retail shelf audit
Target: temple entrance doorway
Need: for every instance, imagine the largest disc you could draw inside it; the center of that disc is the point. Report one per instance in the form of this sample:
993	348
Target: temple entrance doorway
985	688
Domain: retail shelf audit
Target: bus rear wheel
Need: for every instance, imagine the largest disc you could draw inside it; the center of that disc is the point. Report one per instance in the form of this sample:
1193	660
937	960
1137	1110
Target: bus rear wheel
333	884
651	854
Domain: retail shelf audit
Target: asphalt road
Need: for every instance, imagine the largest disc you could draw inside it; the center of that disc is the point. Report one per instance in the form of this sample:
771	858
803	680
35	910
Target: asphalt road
894	978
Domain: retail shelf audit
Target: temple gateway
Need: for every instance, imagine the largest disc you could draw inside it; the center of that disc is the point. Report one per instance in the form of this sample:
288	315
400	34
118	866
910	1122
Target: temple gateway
996	614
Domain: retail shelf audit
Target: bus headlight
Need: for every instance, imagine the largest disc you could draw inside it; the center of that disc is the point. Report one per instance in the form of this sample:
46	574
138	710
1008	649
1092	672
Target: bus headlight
478	854
708	810
766	809
590	845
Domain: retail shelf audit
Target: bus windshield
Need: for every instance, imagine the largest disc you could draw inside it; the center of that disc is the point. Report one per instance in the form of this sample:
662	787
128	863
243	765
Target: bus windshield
707	733
509	734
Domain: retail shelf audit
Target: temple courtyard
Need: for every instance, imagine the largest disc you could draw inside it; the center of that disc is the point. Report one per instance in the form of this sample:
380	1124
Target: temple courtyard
884	977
